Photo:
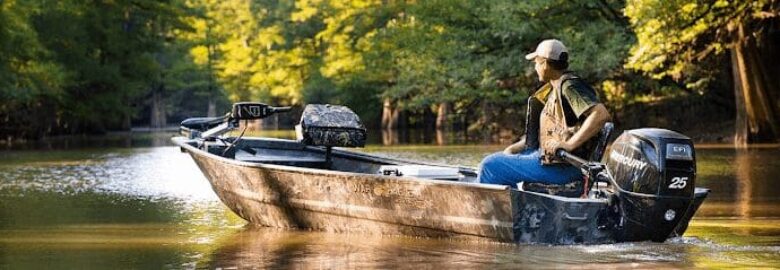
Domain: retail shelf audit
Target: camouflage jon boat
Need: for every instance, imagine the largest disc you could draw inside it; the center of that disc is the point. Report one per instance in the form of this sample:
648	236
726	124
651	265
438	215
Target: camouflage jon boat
306	184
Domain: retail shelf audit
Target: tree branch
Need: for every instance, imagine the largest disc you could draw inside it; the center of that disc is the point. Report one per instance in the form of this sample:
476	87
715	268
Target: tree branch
700	16
616	16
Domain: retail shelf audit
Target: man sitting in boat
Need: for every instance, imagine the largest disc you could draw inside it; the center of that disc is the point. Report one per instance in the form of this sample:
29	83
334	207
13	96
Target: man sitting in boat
570	119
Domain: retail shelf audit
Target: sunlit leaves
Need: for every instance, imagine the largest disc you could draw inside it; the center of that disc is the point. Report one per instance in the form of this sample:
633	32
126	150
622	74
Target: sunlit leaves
672	36
419	53
305	9
422	52
200	54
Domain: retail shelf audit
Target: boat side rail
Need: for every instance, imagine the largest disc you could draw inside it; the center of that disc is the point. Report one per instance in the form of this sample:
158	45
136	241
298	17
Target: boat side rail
195	151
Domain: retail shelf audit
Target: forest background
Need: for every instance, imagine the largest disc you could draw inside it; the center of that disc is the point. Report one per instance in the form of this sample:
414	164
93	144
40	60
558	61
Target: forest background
706	68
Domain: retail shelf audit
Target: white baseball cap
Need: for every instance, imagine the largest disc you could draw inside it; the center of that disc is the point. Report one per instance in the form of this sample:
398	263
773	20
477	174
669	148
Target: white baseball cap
550	49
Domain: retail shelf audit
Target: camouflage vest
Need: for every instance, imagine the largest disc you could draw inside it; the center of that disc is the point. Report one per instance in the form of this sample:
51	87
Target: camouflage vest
552	122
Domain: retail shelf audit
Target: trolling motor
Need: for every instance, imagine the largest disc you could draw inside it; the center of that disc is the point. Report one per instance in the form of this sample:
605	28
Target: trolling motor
321	125
648	177
209	128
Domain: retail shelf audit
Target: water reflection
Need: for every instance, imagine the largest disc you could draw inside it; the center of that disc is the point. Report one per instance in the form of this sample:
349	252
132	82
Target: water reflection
274	248
159	173
114	140
84	206
418	136
271	248
741	182
744	181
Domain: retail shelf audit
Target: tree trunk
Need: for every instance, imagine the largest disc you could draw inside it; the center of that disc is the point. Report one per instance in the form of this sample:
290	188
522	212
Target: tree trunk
389	115
465	125
740	124
442	116
487	119
441	136
756	109
442	123
212	111
157	118
389	137
395	118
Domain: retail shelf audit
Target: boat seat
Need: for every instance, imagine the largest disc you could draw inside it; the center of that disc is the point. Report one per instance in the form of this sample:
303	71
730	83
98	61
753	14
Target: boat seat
601	142
330	125
575	189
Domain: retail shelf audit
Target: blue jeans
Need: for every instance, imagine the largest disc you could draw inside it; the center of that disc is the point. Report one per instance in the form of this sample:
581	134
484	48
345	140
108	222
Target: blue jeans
500	168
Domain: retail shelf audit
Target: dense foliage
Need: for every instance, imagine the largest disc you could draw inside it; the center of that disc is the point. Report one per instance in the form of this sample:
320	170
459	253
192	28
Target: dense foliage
90	66
81	66
416	54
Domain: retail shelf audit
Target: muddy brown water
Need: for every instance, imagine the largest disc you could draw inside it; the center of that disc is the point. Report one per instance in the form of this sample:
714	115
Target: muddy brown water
127	202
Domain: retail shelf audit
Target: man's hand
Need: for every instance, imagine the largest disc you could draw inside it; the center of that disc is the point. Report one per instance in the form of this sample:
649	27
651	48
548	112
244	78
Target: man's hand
555	145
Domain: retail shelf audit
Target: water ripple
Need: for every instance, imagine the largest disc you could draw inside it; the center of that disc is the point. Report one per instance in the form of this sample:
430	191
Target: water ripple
155	173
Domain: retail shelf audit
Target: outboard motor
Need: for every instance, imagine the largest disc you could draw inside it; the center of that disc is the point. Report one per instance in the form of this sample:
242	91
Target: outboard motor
654	172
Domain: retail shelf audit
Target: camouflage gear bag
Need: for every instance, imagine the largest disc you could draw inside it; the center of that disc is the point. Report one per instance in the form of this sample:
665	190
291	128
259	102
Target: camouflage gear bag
330	125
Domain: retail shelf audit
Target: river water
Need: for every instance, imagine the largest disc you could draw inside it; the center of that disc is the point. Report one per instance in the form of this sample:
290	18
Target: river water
136	202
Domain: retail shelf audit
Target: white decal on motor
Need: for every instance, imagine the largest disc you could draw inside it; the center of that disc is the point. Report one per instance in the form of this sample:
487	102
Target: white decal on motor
678	183
630	162
255	111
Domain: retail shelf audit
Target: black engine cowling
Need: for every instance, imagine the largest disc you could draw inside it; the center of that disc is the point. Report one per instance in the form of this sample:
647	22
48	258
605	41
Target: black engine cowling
654	172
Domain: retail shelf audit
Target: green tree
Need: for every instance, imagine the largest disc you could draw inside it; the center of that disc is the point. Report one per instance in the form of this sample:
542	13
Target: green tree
30	79
467	52
675	38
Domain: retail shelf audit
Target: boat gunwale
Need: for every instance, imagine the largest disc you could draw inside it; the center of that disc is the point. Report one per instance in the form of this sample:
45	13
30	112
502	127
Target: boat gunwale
181	142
